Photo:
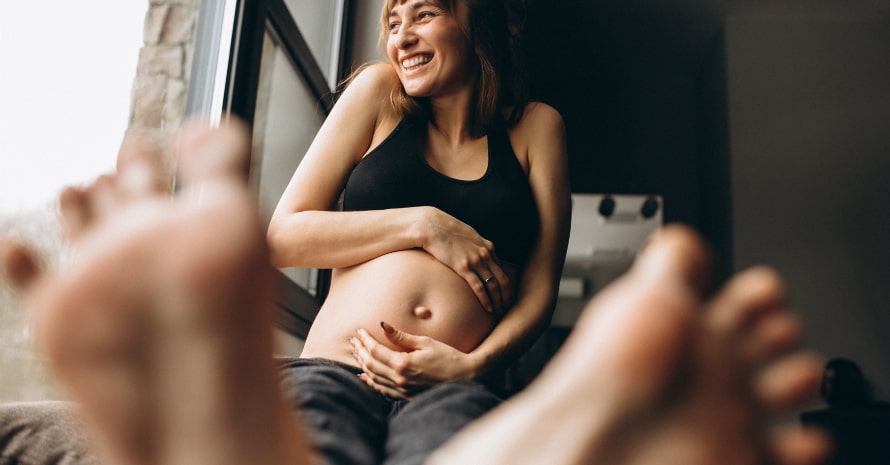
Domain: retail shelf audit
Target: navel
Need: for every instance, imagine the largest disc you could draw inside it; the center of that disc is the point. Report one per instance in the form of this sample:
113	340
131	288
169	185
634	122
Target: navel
423	313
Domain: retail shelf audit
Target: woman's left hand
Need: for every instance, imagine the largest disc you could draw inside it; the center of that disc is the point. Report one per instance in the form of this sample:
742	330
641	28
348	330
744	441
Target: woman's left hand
425	362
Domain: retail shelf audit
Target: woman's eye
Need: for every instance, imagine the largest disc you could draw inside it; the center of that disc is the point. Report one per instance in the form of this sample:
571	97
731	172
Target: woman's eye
393	26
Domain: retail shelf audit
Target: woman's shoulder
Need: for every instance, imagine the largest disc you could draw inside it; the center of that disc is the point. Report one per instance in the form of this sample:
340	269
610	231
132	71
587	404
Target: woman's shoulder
541	126
537	113
370	89
375	77
539	120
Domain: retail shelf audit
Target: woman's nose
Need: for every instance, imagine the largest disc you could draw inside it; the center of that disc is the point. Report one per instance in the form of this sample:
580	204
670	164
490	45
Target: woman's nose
405	37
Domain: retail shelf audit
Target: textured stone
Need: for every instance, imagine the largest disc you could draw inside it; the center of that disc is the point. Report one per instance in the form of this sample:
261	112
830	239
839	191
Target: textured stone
161	59
148	100
174	103
179	25
189	51
155	21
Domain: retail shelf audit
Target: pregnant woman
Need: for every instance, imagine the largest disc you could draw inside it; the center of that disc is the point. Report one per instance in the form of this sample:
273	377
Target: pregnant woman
449	243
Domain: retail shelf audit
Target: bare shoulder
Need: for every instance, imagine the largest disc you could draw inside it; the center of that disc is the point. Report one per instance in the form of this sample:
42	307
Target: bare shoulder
541	116
377	75
365	102
540	133
369	92
373	83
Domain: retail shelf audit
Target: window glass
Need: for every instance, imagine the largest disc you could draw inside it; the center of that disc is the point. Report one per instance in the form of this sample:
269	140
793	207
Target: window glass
287	117
320	23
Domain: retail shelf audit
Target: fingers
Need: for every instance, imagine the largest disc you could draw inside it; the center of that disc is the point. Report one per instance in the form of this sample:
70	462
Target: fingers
384	365
472	257
399	337
496	285
381	386
490	284
480	288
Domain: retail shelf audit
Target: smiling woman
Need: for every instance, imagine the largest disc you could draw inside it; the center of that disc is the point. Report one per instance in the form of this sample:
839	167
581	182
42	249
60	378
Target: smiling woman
65	94
447	245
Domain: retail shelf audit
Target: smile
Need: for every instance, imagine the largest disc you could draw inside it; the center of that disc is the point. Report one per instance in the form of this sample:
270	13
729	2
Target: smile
416	61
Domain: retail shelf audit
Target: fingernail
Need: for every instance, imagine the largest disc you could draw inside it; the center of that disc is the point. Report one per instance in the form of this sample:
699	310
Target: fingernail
387	328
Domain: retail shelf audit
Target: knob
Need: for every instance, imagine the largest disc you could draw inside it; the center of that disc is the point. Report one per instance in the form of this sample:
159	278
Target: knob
649	208
607	206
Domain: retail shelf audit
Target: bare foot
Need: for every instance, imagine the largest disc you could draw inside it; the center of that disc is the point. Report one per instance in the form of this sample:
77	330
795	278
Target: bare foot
159	324
656	374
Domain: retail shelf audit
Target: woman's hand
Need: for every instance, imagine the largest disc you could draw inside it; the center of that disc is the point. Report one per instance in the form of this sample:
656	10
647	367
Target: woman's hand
425	362
471	256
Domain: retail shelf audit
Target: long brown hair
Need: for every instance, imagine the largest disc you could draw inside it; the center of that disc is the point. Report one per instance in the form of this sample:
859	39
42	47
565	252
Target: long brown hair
494	29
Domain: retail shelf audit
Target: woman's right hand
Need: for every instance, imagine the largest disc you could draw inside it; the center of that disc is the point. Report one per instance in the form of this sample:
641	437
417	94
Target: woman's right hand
471	256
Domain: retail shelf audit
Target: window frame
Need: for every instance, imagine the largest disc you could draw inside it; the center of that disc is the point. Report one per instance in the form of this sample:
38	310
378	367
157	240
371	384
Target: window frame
225	78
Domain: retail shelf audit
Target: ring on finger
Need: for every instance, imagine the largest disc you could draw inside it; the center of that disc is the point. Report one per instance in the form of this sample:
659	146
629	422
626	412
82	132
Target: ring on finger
488	279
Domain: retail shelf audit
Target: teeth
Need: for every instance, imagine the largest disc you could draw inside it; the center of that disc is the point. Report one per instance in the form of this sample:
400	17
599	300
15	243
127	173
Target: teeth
418	60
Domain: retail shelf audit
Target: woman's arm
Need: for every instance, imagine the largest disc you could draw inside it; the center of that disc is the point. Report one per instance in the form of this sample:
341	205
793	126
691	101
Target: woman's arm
536	295
303	231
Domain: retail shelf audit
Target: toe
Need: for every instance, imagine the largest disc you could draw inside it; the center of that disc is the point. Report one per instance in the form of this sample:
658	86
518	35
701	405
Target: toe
772	335
641	326
676	252
799	446
19	264
786	383
744	299
74	211
103	197
139	166
206	153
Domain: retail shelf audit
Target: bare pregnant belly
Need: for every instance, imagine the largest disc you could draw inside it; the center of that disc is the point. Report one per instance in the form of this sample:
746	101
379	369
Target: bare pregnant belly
408	289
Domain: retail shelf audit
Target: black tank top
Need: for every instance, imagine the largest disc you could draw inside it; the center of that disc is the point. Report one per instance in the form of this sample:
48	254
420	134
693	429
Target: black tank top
499	205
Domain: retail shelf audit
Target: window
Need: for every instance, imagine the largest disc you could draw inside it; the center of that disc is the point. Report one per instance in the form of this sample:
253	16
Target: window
274	63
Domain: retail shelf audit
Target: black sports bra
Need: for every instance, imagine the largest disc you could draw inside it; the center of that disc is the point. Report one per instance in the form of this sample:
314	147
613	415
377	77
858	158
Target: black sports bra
500	205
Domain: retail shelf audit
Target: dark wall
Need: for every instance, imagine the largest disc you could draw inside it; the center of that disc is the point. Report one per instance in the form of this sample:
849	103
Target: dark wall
629	78
764	123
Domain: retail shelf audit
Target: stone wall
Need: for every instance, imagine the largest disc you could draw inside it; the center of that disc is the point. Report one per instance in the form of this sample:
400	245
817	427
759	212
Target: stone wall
162	75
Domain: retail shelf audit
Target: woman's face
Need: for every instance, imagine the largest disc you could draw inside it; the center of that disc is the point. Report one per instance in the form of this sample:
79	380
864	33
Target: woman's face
430	53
